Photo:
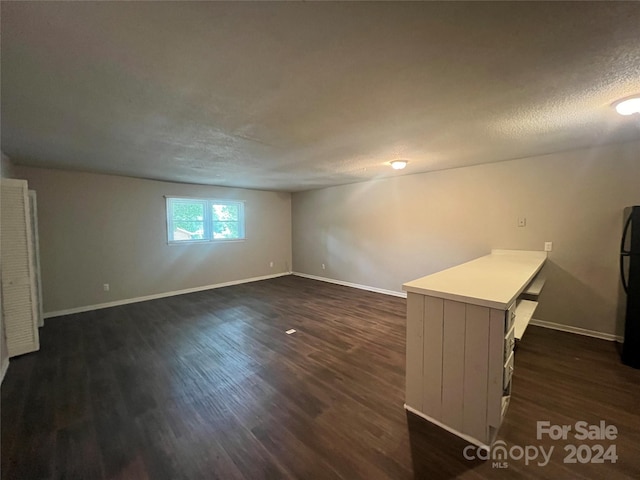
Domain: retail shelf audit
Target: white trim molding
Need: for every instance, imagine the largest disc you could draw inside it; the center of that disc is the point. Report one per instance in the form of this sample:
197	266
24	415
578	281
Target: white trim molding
577	330
464	436
116	303
88	308
352	285
540	323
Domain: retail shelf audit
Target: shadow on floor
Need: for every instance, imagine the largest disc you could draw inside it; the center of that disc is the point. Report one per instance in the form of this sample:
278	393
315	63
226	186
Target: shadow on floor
436	453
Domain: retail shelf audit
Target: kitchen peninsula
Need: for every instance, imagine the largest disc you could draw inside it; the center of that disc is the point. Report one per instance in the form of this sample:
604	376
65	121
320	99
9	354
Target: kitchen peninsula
462	324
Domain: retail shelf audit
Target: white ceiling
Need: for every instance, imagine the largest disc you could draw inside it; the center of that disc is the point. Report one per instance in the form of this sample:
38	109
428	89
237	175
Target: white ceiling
293	96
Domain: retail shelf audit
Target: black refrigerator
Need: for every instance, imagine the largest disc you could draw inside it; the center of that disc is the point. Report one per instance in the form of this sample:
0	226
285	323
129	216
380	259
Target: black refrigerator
630	278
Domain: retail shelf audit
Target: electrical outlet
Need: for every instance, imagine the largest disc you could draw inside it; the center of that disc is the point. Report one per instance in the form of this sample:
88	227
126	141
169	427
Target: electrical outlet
270	264
323	266
548	246
105	287
522	222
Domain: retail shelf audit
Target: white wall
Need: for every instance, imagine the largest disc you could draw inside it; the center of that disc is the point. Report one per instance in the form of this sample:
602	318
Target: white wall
97	229
383	233
6	167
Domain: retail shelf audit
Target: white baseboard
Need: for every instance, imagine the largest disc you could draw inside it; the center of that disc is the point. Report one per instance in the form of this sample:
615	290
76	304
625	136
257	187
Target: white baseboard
88	308
352	285
464	436
539	323
577	330
3	370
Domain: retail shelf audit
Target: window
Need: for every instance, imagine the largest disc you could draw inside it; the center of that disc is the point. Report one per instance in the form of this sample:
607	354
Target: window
204	220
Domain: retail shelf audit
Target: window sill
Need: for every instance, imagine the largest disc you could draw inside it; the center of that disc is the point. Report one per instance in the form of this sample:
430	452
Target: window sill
205	242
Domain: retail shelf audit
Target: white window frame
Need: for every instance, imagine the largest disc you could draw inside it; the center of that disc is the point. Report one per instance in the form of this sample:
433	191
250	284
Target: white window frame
208	220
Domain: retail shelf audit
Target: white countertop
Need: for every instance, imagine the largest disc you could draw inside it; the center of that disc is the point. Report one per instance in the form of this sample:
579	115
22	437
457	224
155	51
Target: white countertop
493	281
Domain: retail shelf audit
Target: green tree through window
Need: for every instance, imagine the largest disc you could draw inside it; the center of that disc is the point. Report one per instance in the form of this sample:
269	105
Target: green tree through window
189	217
197	220
225	221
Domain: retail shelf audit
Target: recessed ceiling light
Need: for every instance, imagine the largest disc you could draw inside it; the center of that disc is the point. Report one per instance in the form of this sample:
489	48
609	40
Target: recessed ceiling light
398	164
628	106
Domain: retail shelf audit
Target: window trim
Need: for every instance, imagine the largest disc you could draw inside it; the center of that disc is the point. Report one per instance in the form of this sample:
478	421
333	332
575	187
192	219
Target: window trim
207	220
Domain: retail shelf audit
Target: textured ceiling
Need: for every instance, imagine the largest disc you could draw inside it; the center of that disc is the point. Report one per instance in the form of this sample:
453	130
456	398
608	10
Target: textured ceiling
293	96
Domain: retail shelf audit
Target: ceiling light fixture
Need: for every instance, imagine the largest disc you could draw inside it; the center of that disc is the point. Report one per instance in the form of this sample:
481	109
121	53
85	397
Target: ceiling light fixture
398	164
628	106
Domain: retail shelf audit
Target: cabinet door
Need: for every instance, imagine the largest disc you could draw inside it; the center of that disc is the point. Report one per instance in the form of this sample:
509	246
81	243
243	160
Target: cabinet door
19	302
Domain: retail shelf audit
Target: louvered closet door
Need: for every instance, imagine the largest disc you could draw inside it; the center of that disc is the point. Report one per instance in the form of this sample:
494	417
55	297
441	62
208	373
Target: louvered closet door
19	302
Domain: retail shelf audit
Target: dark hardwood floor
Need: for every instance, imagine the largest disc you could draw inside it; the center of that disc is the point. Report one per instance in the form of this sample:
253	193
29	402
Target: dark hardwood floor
208	385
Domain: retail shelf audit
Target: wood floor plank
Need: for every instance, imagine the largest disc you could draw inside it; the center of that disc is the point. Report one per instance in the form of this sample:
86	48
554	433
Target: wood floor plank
77	452
209	386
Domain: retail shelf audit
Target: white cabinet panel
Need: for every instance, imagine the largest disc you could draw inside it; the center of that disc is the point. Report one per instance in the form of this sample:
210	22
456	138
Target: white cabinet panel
415	314
432	369
476	371
453	363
